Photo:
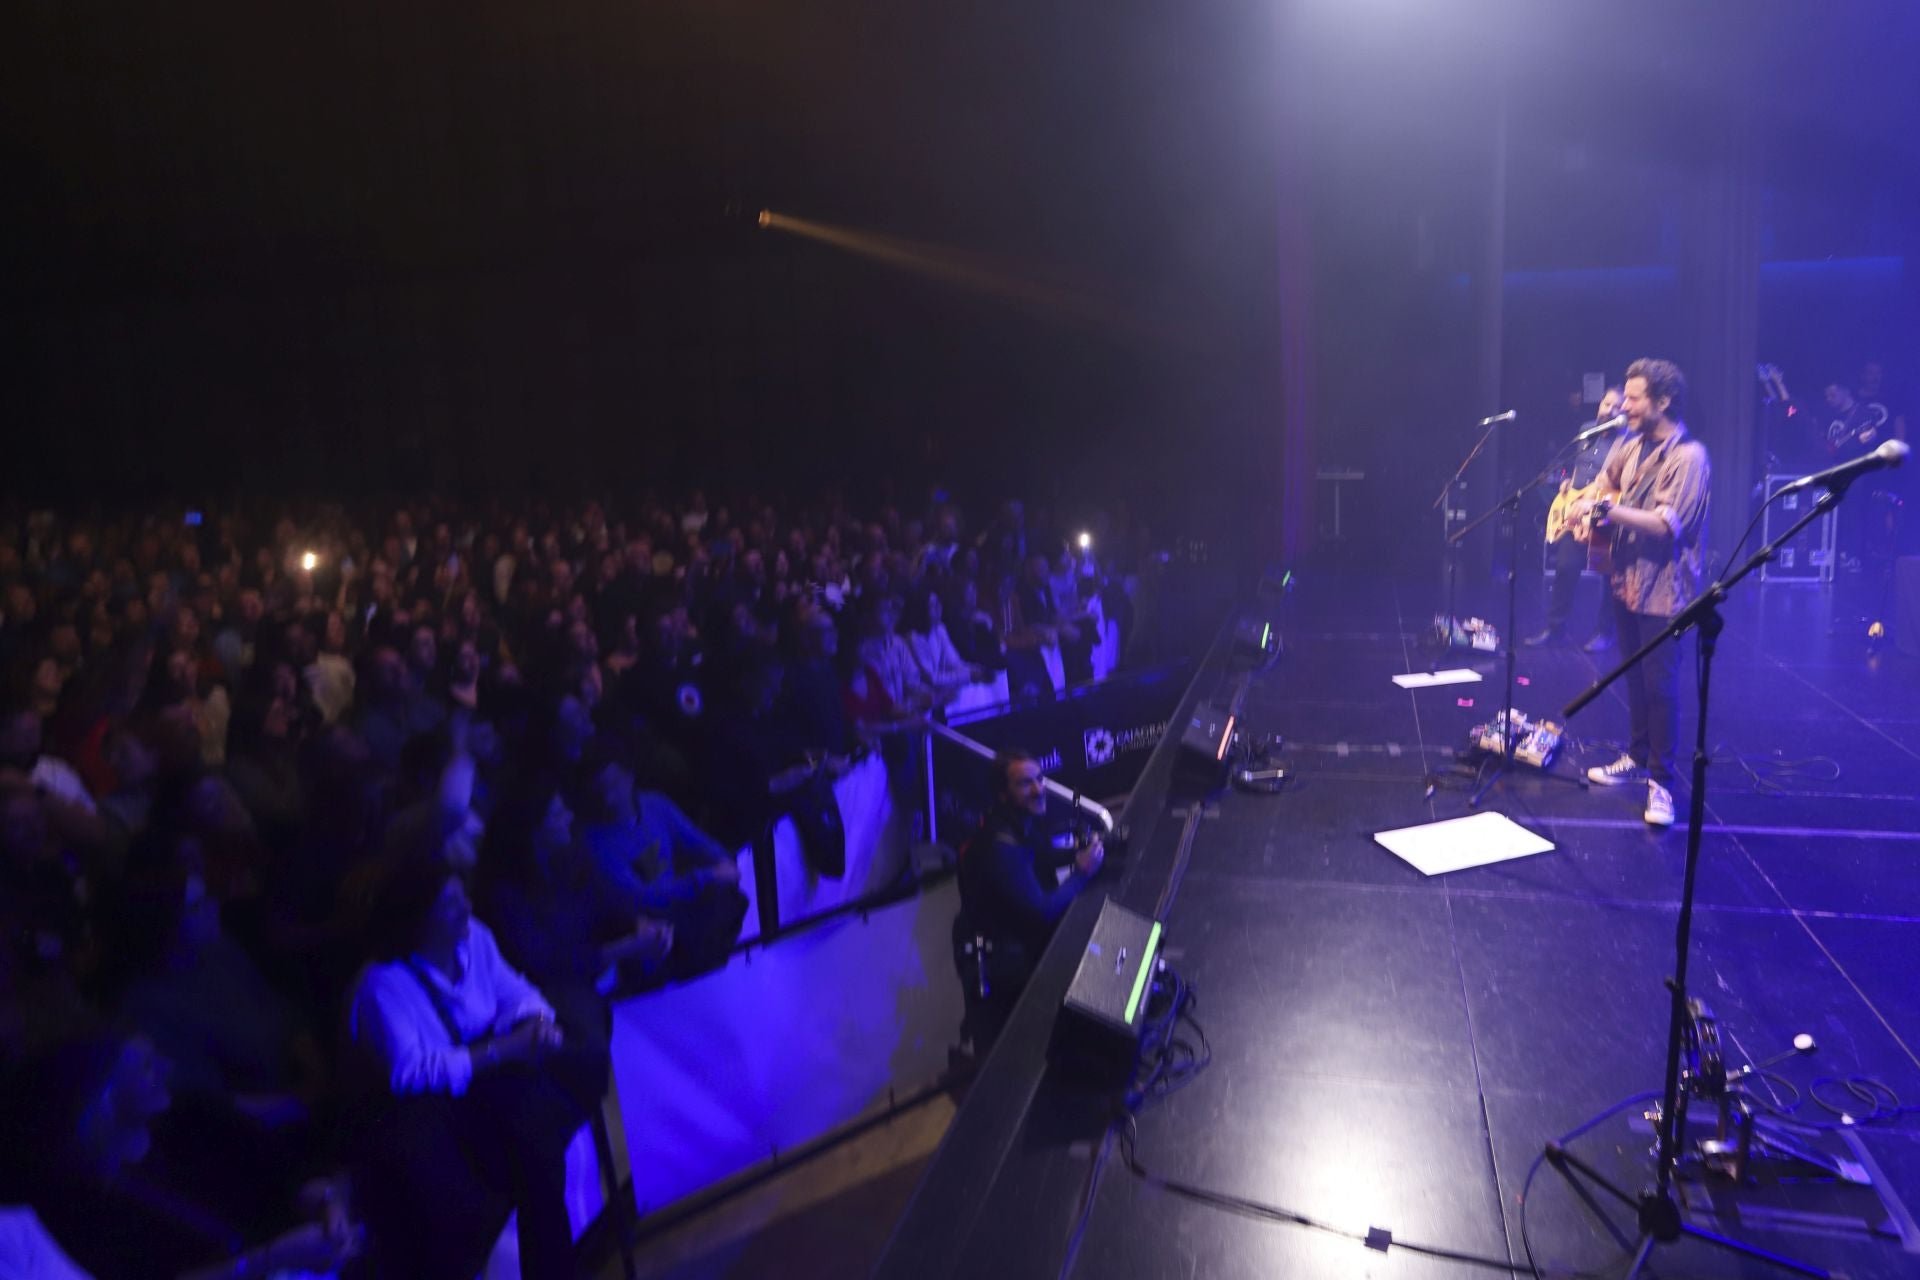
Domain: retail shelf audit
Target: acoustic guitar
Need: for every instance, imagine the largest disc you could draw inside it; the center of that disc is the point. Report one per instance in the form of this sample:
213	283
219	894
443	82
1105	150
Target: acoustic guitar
1599	537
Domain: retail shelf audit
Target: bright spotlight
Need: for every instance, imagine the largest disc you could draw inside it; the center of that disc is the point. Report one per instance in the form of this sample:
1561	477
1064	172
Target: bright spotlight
308	561
1086	542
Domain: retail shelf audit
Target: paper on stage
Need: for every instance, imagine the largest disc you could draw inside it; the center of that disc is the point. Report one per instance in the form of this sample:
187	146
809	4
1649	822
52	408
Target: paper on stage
1428	679
1458	843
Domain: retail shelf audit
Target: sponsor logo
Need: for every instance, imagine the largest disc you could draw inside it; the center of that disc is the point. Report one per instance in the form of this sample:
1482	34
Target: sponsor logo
1099	747
1103	746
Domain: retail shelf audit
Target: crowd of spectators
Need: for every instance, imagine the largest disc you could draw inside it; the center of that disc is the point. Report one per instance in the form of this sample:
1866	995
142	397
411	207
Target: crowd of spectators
329	833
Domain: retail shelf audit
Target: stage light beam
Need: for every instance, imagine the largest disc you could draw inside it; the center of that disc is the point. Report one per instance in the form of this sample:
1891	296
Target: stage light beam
982	274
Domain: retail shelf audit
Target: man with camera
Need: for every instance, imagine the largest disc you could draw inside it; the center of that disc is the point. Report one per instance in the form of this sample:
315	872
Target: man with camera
1011	894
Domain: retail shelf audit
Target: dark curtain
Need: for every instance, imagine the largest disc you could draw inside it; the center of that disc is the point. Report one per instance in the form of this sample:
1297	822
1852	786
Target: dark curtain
497	246
1717	202
1287	519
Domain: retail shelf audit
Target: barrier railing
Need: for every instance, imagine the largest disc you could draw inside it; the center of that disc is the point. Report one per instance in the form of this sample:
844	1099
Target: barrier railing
879	818
839	1012
1092	808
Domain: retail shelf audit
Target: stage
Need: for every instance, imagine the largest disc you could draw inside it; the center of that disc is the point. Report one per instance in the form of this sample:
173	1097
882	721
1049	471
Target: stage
1394	1051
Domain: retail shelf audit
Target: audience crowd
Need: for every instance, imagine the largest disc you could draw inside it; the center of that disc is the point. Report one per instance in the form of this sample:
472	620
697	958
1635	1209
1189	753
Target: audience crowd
330	833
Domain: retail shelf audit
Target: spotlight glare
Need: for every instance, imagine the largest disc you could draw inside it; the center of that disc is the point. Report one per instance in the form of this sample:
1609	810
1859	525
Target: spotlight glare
308	560
1086	541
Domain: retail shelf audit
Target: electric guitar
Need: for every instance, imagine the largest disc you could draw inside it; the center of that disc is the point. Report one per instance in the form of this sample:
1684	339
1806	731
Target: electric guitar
1860	425
1561	523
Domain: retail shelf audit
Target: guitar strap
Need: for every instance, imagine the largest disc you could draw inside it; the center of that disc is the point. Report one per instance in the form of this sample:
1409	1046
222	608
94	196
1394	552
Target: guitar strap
1638	482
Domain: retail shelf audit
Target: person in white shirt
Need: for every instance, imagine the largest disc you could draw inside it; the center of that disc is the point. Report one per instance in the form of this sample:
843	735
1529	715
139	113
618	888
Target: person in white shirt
329	676
888	656
21	742
68	806
933	650
27	1252
470	1059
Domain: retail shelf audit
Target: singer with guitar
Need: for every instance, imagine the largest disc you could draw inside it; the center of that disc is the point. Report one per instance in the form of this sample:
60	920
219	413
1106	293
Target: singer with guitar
1657	527
1569	543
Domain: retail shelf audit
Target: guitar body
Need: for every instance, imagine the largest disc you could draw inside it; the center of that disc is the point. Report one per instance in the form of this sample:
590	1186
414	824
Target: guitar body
1557	511
1600	548
1560	521
1856	429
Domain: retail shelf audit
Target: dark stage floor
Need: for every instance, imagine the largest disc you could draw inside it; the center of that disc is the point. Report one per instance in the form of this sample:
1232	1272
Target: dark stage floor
1393	1051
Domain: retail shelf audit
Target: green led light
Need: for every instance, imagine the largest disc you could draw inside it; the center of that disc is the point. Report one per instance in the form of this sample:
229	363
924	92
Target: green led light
1146	967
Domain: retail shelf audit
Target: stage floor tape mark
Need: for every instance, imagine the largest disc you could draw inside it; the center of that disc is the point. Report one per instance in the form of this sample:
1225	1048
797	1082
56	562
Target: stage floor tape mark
1733	829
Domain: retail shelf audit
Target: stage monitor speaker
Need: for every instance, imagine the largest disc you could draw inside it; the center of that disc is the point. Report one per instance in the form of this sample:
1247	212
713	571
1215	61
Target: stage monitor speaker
1106	1003
1208	735
1257	639
1207	746
1275	586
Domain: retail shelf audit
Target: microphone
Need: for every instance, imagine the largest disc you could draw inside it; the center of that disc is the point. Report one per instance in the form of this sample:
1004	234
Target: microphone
1614	423
1498	418
1890	454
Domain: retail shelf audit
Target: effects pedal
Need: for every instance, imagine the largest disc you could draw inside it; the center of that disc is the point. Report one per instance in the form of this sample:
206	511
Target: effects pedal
1466	633
1535	742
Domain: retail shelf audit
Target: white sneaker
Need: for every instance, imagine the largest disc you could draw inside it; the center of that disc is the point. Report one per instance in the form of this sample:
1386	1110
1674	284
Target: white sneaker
1617	774
1659	805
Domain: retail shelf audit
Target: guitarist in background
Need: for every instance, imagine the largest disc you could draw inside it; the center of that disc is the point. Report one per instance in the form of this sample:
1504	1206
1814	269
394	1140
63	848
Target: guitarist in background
1658	528
1570	554
1856	424
1894	490
1859	422
1872	392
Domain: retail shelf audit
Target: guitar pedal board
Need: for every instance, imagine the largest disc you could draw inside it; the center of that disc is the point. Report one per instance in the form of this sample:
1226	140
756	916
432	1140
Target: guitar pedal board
1535	742
1465	633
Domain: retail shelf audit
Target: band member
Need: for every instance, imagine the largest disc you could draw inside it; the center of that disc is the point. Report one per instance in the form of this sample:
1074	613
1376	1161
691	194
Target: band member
1857	424
1658	528
1893	491
1871	391
1011	896
1570	555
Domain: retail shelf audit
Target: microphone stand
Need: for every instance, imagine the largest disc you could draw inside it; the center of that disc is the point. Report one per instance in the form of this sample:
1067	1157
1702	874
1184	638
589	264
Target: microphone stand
1450	544
1657	1210
1511	505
